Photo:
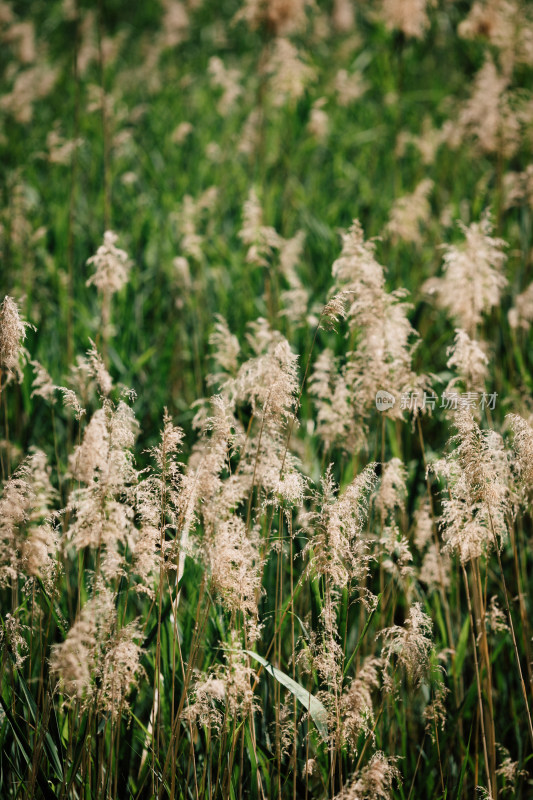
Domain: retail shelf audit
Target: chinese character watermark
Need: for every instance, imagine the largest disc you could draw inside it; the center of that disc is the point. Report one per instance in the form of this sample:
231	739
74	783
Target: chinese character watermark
449	401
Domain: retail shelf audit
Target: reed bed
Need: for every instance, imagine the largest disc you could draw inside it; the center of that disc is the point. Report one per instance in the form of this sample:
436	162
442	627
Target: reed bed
266	426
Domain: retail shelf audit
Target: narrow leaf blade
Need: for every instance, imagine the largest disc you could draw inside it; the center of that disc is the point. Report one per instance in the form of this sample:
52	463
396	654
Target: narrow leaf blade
308	700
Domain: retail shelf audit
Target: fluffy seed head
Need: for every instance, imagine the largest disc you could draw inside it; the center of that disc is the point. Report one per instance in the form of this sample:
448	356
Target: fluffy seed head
111	266
42	383
12	335
373	781
410	644
470	361
473	275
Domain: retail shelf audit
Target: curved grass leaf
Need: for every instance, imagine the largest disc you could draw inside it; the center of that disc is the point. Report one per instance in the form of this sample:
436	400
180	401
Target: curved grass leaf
308	700
27	753
49	744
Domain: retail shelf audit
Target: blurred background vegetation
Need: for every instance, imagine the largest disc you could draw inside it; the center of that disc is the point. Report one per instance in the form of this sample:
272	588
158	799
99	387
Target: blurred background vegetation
132	159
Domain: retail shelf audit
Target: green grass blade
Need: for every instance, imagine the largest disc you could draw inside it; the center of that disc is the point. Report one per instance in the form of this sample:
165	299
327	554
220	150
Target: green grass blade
309	701
49	744
26	752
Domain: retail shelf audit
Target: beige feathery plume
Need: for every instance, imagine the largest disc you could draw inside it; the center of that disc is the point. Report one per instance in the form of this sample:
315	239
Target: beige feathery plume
159	505
12	335
12	639
518	187
373	781
102	506
289	74
90	457
181	132
120	670
14	507
470	361
521	314
408	16
237	675
39	553
436	568
356	707
332	401
506	24
495	617
39	548
29	86
427	143
59	149
473	275
484	462
260	239
318	125
229	80
21	37
396	555
290	255
81	379
226	349
250	136
25	508
72	660
477	498
76	662
235	569
411	644
349	87
308	767
70	400
337	546
295	299
43	385
111	266
207	465
111	272
435	712
385	341
175	23
269	382
508	770
343	16
410	213
280	17
87	52
335	309
188	219
492	19
207	695
523	452
98	371
488	115
392	491
423	526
